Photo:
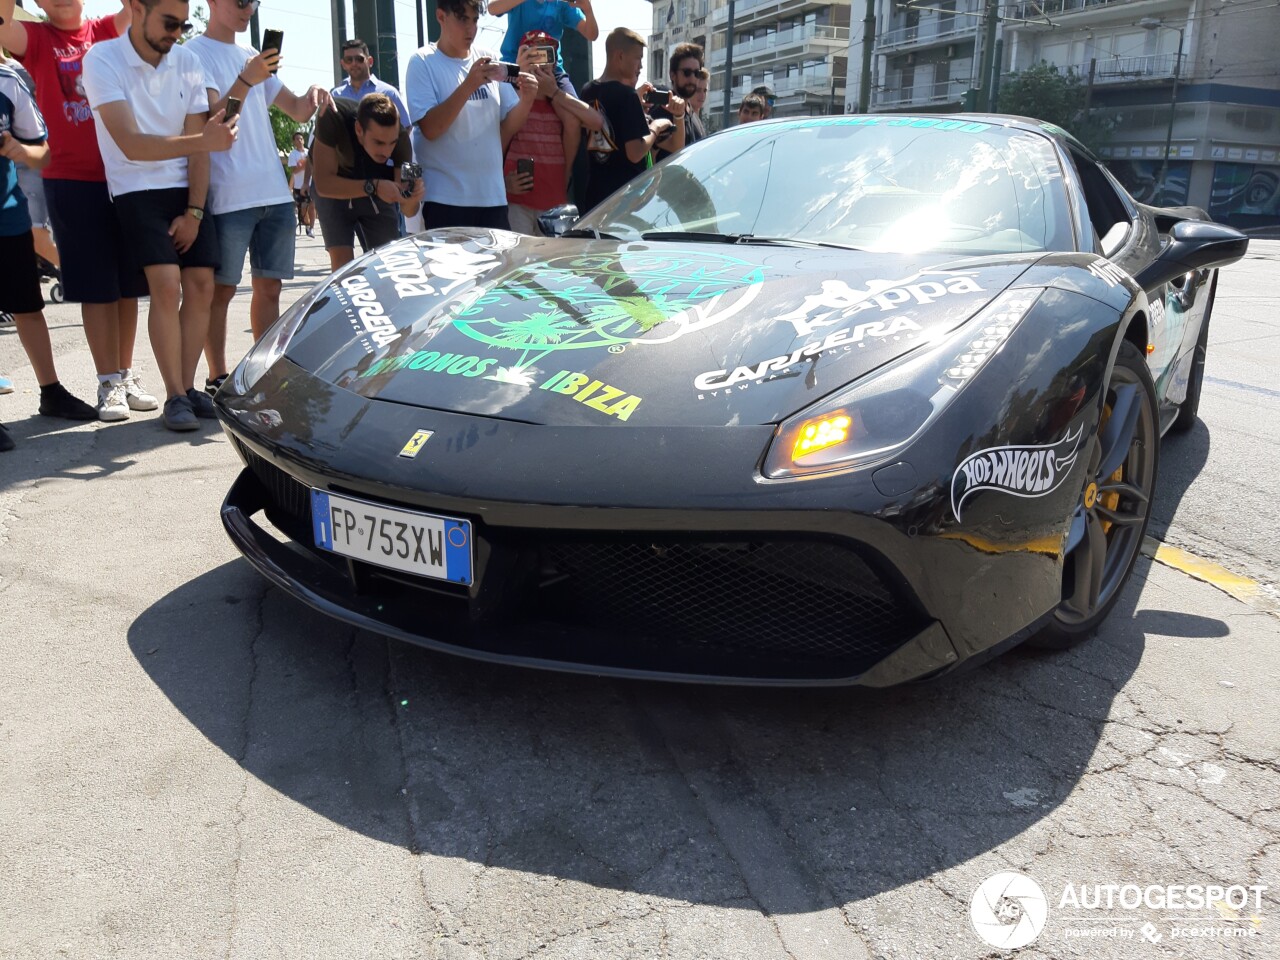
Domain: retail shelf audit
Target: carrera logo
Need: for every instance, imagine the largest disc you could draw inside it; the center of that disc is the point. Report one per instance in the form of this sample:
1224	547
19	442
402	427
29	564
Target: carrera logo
838	301
373	318
877	329
1031	471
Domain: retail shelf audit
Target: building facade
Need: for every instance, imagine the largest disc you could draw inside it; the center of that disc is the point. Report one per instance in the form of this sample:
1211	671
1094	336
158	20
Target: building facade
797	48
1189	89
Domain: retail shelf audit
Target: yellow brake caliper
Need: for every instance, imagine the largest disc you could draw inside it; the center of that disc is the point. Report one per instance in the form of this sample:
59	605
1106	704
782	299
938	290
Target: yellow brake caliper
1111	500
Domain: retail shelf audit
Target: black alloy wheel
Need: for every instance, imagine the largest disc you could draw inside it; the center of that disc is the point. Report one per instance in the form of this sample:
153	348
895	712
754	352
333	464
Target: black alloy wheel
1111	515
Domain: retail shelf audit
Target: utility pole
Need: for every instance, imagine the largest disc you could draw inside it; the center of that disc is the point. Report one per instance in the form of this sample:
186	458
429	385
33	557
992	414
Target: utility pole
376	26
988	49
868	39
338	24
255	31
995	75
728	67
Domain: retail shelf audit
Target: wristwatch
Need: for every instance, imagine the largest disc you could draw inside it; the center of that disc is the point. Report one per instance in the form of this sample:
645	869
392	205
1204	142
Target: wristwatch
196	212
370	188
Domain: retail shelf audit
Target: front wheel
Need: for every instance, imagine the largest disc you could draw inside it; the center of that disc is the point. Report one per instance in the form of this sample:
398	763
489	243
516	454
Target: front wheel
1111	516
56	294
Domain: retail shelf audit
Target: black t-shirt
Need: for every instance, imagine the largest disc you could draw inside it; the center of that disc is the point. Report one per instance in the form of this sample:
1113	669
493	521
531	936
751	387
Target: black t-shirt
624	120
337	128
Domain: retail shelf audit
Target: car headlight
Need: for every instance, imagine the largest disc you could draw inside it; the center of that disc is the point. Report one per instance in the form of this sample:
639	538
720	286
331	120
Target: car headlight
276	340
884	411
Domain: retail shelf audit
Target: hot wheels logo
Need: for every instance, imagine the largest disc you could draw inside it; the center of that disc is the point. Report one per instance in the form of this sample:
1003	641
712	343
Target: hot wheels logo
1020	471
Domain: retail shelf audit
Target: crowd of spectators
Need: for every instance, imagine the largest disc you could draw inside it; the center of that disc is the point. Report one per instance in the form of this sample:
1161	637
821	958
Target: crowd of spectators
153	164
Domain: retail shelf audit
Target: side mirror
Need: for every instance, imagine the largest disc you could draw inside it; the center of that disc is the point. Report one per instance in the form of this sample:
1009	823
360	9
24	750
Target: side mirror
557	221
1194	245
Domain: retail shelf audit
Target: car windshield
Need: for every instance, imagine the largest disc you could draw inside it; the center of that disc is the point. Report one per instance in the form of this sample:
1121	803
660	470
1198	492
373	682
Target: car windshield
891	184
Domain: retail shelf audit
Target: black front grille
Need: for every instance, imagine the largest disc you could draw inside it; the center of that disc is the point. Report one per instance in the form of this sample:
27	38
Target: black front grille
290	499
808	599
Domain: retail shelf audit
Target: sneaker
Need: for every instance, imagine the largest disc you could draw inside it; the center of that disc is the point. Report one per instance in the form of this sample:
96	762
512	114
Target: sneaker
178	414
135	394
310	232
6	385
6	441
6	319
201	405
56	401
112	402
211	386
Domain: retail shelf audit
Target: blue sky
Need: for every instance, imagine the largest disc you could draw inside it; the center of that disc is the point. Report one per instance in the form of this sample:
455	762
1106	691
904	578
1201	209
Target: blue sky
307	57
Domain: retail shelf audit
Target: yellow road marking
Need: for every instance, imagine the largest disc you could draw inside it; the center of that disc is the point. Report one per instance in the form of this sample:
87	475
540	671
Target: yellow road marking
1242	588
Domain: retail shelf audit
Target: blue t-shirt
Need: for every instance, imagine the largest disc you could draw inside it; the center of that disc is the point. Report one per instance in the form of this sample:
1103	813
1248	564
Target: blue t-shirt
552	17
21	120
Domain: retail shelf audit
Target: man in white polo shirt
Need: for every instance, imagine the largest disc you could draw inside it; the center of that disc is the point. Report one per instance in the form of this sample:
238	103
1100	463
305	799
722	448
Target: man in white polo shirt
156	136
248	193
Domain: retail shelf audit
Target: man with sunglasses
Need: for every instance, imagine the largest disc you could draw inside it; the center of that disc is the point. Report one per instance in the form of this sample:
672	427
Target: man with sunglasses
250	201
97	272
685	62
360	82
155	134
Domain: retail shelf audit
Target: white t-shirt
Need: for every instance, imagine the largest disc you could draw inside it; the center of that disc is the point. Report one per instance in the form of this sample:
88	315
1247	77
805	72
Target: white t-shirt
299	175
161	98
463	166
249	174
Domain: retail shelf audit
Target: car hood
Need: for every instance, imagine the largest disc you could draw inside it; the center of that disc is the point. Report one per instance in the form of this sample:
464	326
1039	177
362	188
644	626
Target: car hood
581	332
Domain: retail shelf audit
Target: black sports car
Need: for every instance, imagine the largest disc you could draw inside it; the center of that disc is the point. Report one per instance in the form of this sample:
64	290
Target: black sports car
824	400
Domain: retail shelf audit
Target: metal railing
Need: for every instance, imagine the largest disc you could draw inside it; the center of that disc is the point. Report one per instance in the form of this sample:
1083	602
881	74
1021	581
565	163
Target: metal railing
1033	9
1128	69
922	94
929	31
790	37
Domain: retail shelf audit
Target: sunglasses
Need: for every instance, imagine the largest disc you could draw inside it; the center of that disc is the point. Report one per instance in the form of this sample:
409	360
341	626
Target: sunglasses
174	25
248	4
686	72
354	58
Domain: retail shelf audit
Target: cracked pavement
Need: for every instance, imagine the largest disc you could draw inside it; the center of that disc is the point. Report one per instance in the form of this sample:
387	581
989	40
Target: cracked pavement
197	766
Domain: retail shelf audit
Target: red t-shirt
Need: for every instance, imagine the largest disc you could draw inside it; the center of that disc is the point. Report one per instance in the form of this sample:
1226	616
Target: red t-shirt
540	138
55	60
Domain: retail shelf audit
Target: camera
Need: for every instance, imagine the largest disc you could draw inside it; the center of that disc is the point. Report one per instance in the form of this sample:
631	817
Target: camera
657	98
410	173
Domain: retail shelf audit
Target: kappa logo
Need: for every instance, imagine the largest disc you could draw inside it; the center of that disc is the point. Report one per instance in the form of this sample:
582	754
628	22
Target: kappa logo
838	301
1022	471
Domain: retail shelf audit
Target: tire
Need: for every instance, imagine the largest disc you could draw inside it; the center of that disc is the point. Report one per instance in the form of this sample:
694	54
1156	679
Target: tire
1190	409
1111	516
55	293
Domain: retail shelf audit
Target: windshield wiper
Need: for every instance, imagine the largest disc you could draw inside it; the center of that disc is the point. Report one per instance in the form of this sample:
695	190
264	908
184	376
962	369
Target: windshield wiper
744	238
590	234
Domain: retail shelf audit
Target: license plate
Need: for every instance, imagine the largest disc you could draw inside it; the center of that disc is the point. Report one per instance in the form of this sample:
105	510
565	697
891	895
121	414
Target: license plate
421	543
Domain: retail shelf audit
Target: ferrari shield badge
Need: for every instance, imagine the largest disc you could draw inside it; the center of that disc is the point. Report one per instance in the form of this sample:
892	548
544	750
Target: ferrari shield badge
415	444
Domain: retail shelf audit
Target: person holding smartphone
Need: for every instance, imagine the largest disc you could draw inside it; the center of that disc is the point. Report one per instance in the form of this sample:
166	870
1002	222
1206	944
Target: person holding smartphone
466	105
540	157
250	202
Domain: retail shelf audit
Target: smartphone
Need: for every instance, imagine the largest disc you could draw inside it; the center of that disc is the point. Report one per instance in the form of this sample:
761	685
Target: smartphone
542	54
657	98
273	40
233	107
503	71
524	166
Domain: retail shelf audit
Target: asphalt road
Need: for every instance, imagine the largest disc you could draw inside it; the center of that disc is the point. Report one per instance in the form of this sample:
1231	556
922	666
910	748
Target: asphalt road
194	765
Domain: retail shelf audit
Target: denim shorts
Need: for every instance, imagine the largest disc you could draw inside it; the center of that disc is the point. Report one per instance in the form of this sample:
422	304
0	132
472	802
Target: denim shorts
266	233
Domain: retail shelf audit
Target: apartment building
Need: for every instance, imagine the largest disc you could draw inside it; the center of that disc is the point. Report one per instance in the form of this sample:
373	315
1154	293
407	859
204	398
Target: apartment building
1198	78
798	48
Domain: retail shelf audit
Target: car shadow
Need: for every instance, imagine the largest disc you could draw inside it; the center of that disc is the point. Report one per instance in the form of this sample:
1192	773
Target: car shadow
646	787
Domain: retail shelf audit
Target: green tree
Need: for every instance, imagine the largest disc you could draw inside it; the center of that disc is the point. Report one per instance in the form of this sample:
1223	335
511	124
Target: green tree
1044	94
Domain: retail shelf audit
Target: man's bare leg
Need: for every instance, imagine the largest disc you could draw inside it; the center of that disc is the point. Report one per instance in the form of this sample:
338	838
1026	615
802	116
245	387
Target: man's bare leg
33	333
264	308
163	326
340	256
102	331
215	344
193	318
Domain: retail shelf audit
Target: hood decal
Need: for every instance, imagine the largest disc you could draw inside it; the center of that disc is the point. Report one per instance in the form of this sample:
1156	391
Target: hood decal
1023	471
838	301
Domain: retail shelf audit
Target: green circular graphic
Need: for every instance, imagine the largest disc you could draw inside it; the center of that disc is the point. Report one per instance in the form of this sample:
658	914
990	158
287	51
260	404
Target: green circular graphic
608	300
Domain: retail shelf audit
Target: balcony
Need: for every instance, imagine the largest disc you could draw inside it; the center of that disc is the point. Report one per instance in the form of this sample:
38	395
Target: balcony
749	10
1129	69
776	43
921	95
930	31
1033	10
